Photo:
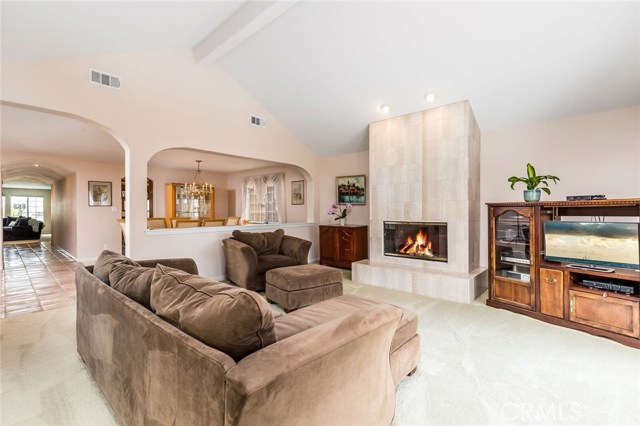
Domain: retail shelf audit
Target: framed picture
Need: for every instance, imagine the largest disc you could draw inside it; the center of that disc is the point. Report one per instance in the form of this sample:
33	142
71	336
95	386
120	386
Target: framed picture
297	192
351	189
99	194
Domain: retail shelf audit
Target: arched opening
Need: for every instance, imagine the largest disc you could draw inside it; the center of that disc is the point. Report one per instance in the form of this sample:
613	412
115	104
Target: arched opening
287	197
65	153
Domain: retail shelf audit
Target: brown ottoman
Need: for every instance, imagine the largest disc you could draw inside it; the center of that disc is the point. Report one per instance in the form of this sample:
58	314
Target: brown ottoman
294	287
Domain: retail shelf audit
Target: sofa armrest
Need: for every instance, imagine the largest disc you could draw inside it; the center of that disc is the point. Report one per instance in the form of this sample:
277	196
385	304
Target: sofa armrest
296	248
241	263
336	373
185	264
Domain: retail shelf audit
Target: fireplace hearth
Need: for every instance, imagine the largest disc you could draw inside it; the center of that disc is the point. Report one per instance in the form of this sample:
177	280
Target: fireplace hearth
416	240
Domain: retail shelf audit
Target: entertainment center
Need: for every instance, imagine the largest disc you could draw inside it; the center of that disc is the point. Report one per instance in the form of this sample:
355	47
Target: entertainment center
588	281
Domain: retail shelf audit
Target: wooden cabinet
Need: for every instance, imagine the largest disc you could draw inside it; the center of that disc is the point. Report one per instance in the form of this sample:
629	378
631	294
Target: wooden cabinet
342	245
551	292
523	281
606	311
177	205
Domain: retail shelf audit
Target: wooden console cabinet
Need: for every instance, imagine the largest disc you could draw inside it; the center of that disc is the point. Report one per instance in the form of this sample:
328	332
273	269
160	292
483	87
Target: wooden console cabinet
522	281
342	245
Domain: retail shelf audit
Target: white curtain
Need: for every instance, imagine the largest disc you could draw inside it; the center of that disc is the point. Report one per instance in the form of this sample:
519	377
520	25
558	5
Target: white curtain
250	182
276	180
261	184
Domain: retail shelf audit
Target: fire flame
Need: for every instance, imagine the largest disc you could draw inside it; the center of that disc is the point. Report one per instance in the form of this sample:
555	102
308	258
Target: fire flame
420	247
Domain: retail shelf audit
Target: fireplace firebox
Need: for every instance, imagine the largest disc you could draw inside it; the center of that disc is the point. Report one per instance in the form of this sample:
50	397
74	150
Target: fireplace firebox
416	240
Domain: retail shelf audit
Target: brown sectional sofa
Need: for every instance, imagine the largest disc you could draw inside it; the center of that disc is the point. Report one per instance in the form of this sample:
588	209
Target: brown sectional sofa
333	363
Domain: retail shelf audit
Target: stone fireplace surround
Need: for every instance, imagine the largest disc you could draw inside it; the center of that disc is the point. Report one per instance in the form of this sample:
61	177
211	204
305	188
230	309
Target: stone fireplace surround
425	167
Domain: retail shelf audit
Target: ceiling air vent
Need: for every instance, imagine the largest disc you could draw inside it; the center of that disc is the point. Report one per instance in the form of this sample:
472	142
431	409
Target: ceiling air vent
257	121
103	79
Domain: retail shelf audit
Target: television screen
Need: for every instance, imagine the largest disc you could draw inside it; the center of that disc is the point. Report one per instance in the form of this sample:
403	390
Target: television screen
593	243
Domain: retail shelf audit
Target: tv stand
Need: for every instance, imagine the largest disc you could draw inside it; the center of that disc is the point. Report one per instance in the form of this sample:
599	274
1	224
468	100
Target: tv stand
590	268
609	306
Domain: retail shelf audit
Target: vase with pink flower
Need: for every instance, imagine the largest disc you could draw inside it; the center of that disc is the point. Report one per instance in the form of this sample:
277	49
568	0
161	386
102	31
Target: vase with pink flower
340	213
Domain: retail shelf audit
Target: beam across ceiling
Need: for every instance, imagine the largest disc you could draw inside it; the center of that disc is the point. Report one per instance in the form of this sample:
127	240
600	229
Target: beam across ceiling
244	23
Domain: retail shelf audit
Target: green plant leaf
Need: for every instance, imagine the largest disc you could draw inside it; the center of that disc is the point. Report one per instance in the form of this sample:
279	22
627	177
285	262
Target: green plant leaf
531	172
546	190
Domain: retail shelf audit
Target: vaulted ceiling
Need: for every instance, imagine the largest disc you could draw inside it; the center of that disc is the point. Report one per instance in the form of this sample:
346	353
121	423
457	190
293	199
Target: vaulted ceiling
324	68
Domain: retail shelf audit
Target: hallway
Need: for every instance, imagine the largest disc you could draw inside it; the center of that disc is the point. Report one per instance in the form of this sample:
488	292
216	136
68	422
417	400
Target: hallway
36	277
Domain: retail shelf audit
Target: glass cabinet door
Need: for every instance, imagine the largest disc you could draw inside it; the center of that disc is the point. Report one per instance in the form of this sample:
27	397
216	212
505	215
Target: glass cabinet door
512	272
512	254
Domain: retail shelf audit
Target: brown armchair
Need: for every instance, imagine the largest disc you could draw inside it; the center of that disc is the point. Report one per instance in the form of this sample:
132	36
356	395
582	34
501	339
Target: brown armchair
249	255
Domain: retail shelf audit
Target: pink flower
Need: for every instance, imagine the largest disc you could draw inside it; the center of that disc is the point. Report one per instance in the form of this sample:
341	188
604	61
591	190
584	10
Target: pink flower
338	212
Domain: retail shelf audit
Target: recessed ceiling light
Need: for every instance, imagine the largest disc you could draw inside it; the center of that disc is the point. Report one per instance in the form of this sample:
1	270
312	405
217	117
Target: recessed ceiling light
430	97
385	108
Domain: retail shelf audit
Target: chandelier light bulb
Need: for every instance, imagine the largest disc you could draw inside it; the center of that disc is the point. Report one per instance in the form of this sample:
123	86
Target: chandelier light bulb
198	190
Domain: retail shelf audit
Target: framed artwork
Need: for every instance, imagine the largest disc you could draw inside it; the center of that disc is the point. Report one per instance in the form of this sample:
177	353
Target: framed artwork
351	189
297	192
99	194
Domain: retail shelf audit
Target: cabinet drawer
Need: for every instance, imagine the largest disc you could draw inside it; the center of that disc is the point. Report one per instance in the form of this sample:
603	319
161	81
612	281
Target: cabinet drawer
551	292
604	312
517	293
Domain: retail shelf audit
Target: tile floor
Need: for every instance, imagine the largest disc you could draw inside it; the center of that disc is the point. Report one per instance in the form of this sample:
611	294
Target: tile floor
36	277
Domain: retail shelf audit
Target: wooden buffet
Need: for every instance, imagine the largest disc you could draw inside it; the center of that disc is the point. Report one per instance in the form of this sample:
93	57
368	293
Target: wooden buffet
342	245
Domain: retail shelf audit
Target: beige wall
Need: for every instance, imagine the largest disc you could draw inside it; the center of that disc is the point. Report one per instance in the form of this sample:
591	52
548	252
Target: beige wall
178	104
64	213
591	154
343	165
81	230
206	109
46	193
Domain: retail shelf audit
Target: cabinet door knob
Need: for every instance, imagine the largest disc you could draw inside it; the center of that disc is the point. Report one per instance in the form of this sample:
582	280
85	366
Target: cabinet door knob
550	280
604	294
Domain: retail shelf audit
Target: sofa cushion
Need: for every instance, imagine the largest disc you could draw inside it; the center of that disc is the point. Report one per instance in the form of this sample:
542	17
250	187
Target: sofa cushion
270	261
132	281
261	242
319	313
106	260
230	319
23	221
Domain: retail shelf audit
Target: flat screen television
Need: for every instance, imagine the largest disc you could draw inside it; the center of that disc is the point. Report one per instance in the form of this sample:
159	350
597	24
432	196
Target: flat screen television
593	244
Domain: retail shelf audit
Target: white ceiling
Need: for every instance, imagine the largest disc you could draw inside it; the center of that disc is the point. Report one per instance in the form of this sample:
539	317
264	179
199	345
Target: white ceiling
324	68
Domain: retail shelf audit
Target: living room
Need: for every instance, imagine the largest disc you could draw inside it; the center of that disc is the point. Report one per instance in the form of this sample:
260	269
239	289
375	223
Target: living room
571	108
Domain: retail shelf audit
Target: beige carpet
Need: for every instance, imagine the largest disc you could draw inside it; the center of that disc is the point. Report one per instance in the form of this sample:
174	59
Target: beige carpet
480	366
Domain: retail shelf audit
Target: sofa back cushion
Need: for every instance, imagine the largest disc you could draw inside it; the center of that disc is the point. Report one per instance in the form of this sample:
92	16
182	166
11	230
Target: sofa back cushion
132	281
261	242
233	320
23	221
106	260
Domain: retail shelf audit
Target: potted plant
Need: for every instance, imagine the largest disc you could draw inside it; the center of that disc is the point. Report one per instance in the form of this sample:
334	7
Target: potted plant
339	213
532	193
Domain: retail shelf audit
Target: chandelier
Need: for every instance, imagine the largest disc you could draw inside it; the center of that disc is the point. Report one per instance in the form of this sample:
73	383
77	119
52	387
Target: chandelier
197	190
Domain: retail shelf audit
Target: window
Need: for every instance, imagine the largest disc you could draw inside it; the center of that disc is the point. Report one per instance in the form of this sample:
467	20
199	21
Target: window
270	204
253	206
28	206
264	198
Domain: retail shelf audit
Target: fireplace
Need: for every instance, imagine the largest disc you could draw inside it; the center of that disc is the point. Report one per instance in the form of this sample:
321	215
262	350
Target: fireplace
416	240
